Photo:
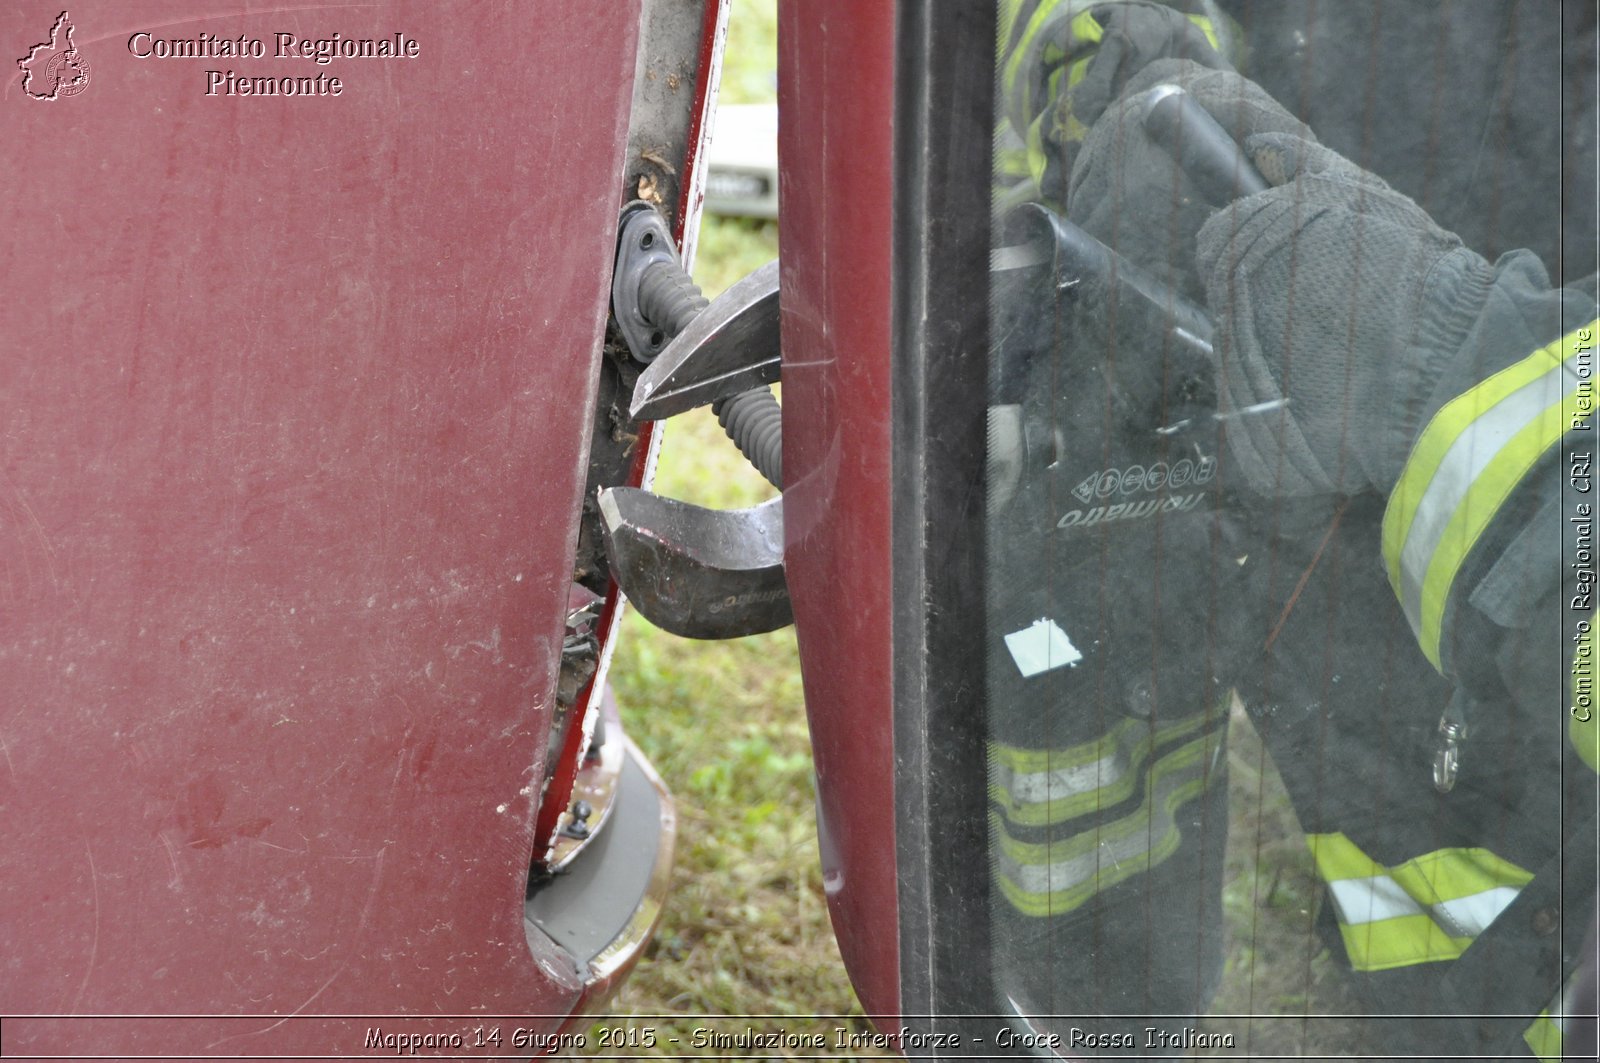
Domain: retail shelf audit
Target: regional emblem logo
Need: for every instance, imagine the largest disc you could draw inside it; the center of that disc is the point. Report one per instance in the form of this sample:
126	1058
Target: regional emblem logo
55	69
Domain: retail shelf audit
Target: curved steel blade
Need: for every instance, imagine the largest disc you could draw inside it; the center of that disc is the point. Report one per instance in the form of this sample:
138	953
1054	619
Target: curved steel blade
696	572
729	348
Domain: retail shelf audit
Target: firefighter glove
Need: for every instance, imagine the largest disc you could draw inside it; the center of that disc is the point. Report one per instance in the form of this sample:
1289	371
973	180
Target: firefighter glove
1128	191
1338	304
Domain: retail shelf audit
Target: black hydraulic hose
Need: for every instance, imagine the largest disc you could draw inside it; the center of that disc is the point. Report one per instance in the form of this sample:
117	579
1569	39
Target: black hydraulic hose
669	299
754	421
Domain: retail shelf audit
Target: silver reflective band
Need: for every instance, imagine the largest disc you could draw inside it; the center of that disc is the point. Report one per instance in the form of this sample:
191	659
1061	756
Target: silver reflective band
1472	915
1463	463
1042	787
1108	853
1469	460
1371	900
1374	899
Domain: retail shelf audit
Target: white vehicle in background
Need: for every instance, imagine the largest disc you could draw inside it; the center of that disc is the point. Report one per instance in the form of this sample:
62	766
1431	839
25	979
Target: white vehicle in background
742	178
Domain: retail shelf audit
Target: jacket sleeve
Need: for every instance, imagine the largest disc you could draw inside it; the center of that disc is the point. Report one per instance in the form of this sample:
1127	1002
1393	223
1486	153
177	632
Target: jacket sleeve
1487	535
1063	62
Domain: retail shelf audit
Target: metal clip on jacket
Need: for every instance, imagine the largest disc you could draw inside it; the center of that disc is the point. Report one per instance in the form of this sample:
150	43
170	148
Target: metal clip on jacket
1452	733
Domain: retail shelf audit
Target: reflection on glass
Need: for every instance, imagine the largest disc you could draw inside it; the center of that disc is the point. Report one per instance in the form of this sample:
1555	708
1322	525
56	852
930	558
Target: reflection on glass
1243	774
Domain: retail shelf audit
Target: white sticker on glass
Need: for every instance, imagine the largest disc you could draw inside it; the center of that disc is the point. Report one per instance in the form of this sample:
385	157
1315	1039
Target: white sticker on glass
1041	646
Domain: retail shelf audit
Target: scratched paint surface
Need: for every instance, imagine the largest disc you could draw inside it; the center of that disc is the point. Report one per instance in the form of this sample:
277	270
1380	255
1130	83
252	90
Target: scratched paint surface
291	406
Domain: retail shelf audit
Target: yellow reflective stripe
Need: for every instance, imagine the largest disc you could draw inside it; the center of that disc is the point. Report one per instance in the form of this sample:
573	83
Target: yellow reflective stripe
1442	875
1085	30
1468	459
1208	29
1544	1038
1008	19
1056	877
1446	874
1107	872
1582	727
1036	156
1076	786
1115	784
1037	854
1043	14
1076	72
1038	47
1010	151
1022	759
1338	857
1052	36
1073	130
1012	162
1427	909
1403	942
1447	425
1474	515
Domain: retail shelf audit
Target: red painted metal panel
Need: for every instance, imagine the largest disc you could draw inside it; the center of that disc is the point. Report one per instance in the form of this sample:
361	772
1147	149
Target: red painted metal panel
835	74
292	409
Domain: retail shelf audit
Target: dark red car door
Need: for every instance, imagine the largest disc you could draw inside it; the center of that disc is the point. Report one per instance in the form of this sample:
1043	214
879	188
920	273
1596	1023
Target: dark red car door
302	319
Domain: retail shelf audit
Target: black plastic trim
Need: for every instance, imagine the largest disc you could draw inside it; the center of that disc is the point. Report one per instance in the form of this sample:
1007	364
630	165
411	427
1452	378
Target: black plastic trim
944	85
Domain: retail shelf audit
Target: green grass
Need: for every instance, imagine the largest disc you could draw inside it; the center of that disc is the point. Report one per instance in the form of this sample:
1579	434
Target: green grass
1277	968
731	248
750	63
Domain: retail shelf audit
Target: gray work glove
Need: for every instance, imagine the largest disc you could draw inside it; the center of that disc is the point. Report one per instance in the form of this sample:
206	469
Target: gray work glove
1338	304
1128	193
